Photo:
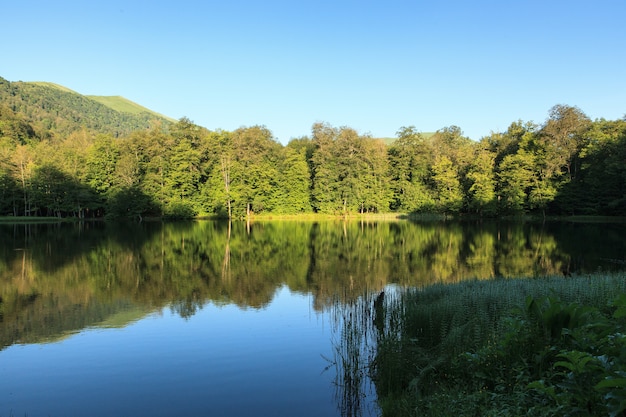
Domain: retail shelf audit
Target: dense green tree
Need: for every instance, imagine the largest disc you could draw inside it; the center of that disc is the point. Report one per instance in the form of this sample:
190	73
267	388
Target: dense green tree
100	165
564	135
450	142
324	169
130	203
183	179
256	154
453	154
21	167
9	187
377	196
153	151
71	152
351	165
188	130
349	171
515	177
294	184
449	196
55	193
568	165
217	195
14	126
9	193
410	158
508	142
599	187
482	191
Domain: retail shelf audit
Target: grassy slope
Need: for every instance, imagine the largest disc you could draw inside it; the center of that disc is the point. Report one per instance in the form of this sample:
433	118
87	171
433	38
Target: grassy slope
53	85
122	104
117	103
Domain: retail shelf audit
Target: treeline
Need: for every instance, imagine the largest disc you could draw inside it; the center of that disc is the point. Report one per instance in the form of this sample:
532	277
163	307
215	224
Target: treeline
567	165
63	276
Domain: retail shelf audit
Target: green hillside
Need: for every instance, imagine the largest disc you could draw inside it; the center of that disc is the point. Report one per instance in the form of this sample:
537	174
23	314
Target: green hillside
50	110
124	105
53	85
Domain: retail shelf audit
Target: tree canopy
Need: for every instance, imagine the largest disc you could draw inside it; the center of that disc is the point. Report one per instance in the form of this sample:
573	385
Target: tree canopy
567	165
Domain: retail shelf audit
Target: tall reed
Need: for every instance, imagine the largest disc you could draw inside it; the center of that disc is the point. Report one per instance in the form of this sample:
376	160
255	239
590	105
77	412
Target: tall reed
426	329
354	343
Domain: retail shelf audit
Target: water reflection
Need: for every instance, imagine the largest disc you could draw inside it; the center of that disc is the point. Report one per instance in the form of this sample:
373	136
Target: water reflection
56	280
354	346
59	278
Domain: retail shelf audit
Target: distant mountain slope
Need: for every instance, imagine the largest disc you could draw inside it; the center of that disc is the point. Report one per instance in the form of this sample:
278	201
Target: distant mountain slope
47	84
53	110
124	105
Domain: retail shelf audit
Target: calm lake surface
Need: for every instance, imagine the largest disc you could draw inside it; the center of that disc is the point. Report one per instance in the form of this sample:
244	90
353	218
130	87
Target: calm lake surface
207	318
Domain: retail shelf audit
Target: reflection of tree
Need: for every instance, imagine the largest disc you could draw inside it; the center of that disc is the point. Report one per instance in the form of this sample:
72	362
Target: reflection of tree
67	267
354	341
226	262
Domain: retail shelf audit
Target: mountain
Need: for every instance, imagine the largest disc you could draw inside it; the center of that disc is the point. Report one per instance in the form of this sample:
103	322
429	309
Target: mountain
124	105
44	109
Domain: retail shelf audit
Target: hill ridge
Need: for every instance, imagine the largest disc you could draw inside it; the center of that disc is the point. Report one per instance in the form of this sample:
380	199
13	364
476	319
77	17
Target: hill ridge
52	109
123	104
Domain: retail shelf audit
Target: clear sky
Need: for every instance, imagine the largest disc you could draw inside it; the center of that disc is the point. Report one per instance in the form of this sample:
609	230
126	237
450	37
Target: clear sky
374	66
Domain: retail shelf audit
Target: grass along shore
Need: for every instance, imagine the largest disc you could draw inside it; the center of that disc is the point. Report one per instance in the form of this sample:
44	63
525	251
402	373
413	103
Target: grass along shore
506	347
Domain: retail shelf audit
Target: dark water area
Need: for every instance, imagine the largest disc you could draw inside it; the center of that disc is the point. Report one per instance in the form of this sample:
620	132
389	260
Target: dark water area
211	318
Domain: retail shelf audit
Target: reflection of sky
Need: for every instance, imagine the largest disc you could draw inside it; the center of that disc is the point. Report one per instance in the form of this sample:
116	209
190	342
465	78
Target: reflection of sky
221	361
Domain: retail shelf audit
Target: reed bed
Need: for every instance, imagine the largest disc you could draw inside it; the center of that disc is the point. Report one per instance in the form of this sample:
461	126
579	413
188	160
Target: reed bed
492	347
487	348
354	343
466	315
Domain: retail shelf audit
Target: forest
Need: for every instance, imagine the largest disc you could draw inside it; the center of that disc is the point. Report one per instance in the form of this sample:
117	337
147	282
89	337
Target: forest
568	165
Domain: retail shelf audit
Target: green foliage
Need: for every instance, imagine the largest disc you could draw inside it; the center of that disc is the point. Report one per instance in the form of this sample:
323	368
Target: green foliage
410	158
349	172
131	203
14	126
542	355
569	165
293	191
515	178
601	180
55	111
482	192
101	161
447	185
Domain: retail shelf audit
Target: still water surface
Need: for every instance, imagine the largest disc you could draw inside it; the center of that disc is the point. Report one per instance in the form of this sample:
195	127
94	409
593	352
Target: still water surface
222	361
204	318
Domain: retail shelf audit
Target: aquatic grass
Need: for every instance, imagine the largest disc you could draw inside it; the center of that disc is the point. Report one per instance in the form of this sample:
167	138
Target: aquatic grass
35	219
464	315
475	347
353	343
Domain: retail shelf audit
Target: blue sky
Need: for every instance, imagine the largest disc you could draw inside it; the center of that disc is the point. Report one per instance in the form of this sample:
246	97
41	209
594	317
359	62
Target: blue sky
374	66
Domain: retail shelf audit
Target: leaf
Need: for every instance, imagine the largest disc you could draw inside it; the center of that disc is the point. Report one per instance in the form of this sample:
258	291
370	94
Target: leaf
564	364
610	382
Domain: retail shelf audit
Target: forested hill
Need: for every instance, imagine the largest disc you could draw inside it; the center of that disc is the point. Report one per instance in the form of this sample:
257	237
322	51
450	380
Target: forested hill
64	154
42	110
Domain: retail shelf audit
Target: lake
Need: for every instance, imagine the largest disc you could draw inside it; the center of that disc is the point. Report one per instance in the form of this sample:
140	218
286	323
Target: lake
211	318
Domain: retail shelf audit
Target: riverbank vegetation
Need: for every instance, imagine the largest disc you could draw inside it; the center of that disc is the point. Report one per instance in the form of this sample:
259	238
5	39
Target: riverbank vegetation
80	167
510	347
